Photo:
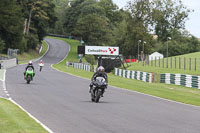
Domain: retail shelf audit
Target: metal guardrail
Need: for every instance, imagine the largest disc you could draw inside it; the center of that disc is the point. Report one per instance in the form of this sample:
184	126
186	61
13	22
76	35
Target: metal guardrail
4	64
3	58
64	36
83	66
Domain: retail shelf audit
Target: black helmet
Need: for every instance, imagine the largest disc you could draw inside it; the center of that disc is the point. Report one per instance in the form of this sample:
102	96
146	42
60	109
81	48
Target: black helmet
100	69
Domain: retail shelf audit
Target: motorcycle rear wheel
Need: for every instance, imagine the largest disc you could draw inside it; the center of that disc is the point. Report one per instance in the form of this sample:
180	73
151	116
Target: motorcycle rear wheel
28	80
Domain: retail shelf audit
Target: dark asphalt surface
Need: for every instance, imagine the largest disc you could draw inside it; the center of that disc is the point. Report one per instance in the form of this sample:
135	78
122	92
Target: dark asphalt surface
62	103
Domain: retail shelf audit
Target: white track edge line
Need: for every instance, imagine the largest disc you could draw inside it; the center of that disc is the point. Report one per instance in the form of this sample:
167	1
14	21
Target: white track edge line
66	54
128	89
34	118
124	89
44	53
155	96
10	99
36	59
3	75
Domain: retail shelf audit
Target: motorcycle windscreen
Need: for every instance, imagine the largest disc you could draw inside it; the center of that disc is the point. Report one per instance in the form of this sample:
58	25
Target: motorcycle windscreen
100	79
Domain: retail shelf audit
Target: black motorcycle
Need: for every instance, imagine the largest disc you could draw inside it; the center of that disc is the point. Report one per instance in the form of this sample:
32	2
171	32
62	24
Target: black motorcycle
98	89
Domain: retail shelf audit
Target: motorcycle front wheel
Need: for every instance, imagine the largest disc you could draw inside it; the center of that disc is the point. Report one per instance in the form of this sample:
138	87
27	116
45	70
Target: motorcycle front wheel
92	97
97	95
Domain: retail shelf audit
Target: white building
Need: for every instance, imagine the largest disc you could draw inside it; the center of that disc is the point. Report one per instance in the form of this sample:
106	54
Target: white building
155	56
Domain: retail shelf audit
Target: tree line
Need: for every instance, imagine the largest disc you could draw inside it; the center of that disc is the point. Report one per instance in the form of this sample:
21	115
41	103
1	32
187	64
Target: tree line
140	22
24	23
146	23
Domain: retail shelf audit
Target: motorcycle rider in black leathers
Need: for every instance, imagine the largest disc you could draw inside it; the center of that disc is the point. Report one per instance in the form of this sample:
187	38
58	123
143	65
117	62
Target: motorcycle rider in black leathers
30	64
100	73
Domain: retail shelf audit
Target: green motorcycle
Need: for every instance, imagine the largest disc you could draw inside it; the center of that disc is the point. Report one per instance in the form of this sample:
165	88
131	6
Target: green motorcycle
29	74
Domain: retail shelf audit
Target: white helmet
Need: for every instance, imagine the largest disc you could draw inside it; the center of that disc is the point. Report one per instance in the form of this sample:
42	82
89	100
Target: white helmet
101	69
30	63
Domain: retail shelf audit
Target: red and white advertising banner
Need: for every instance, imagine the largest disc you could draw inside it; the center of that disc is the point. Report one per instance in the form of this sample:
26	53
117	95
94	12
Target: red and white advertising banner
101	50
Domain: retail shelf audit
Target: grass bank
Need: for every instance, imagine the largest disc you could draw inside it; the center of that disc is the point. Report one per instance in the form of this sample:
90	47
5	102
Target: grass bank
176	64
13	120
172	92
32	54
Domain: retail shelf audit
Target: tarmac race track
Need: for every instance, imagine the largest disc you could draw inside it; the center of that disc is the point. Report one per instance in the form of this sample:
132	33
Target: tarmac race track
62	103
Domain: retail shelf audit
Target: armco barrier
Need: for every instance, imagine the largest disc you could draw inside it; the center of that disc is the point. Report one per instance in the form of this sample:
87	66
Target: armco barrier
8	63
83	66
143	76
191	81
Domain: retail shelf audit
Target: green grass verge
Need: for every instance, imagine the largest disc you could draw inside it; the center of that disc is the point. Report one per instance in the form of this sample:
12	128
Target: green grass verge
32	54
172	92
154	65
13	120
140	67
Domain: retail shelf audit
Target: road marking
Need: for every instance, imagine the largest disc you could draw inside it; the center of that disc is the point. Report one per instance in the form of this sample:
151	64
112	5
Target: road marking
155	96
35	60
45	127
132	91
10	99
3	75
66	54
44	53
4	84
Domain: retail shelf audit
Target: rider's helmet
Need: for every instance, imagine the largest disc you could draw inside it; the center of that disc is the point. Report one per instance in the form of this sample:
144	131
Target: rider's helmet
101	69
30	63
41	61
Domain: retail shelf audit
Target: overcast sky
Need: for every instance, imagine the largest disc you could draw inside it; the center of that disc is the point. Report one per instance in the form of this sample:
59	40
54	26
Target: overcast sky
192	25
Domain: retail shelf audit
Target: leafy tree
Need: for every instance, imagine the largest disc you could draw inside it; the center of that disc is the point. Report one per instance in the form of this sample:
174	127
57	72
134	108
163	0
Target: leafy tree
61	6
110	10
90	59
134	27
193	44
91	7
72	15
2	45
120	31
87	19
38	16
181	43
168	15
11	23
43	16
32	41
93	29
